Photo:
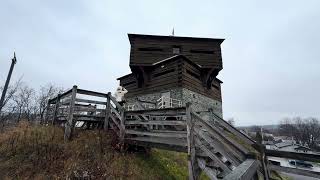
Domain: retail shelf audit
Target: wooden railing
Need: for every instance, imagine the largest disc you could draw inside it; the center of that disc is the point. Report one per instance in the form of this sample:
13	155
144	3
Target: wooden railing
208	143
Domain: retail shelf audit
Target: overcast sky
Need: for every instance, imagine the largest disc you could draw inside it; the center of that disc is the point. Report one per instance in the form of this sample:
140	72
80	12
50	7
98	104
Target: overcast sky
271	53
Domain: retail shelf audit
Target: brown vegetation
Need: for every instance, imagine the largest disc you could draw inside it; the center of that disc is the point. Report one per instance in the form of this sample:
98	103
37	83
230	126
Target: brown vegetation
39	152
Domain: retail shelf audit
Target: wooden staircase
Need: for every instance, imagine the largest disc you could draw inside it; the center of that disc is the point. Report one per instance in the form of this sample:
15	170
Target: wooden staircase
209	143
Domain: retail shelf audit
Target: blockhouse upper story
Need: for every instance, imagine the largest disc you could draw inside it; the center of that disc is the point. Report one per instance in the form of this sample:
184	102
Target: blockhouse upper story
149	49
160	63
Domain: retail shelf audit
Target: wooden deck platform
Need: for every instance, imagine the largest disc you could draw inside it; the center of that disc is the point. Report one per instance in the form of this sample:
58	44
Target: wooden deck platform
208	143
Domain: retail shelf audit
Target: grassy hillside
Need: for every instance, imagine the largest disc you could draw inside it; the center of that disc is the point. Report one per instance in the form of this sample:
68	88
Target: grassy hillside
38	152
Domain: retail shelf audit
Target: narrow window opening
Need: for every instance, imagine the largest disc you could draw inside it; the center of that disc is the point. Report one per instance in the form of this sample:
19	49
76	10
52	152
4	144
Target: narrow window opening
176	49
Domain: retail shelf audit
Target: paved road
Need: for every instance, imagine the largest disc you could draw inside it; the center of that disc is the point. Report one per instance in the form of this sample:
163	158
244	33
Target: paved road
299	177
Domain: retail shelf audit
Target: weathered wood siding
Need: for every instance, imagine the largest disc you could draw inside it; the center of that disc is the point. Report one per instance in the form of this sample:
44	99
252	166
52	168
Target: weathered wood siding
191	80
160	78
169	75
146	49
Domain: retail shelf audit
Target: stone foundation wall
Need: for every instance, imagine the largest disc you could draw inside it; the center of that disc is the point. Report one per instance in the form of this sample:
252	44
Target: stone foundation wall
175	93
199	102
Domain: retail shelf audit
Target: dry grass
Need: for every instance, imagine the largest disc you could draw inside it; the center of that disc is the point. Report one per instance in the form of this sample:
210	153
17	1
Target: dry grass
39	152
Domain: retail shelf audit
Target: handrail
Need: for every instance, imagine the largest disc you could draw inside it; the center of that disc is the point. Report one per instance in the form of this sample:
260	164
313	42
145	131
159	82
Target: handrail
53	100
234	130
165	111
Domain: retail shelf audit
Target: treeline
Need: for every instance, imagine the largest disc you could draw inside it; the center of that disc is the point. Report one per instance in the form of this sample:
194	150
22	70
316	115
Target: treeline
304	131
23	102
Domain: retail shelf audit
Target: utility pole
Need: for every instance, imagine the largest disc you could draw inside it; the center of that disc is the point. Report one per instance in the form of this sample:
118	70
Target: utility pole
14	61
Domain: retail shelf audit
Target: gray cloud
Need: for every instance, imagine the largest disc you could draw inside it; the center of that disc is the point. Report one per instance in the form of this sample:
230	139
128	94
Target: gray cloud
270	54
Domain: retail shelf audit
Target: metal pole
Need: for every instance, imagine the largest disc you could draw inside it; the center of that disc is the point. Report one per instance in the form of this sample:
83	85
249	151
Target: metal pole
14	61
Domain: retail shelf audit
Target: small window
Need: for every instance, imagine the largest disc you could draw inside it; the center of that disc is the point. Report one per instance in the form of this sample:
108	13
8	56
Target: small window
176	50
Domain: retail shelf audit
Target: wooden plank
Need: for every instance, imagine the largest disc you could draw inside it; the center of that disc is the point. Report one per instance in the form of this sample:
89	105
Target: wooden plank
115	121
92	93
88	119
113	110
218	146
146	133
88	109
69	126
115	102
172	123
298	171
213	157
158	112
193	168
90	101
244	171
221	136
209	172
293	155
88	116
224	139
142	108
108	113
61	96
173	144
233	130
122	127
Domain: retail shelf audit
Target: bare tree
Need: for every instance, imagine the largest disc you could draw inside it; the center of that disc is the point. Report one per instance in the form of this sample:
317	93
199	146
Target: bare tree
46	92
7	108
305	131
24	102
12	90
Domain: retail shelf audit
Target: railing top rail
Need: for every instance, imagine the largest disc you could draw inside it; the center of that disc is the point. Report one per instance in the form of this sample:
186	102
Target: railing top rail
234	130
53	100
164	111
92	93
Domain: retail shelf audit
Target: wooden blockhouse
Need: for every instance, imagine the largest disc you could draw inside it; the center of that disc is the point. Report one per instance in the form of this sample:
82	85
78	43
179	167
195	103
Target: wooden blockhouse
179	68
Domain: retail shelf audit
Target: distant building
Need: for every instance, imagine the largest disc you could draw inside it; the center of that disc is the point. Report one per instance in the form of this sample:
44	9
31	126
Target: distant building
169	71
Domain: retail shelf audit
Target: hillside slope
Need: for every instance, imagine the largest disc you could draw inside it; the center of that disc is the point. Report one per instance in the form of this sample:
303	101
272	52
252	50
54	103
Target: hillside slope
38	152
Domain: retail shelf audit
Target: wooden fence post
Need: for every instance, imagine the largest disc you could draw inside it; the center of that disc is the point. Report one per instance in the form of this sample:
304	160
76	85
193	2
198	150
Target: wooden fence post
264	161
106	119
69	126
193	167
56	110
123	128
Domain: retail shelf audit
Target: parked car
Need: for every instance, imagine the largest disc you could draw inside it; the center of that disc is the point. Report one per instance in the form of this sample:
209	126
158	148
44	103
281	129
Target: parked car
300	163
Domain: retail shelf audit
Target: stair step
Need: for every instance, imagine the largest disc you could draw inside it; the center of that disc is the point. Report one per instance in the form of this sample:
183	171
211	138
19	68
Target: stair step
169	134
176	144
